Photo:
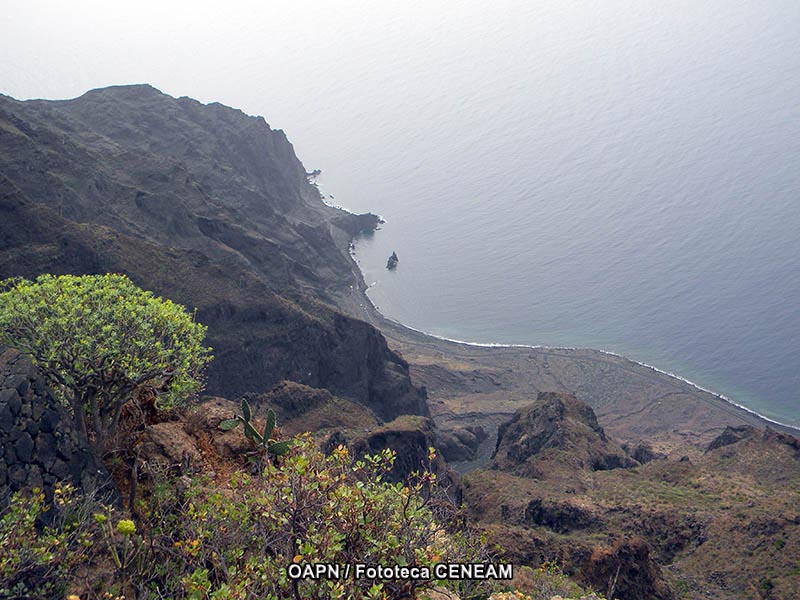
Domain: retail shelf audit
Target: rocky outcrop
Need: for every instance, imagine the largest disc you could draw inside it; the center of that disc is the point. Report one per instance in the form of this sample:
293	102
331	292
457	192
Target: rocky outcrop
642	452
38	444
560	517
290	400
355	225
410	437
730	436
626	571
560	428
301	408
461	443
623	565
761	438
669	532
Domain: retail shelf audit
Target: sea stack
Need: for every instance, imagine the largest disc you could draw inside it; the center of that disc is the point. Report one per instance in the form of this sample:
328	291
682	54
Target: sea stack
392	262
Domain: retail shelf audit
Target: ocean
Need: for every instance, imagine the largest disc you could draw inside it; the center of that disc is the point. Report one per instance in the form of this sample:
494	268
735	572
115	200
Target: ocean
626	180
621	175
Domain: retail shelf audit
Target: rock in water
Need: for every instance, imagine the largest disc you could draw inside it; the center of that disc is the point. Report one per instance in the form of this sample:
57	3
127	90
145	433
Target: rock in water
392	262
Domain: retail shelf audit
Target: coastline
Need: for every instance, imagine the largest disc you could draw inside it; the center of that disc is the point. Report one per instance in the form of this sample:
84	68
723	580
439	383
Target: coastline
627	395
689	382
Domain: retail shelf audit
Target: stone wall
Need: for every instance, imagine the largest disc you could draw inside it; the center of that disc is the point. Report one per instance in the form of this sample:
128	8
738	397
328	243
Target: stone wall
38	444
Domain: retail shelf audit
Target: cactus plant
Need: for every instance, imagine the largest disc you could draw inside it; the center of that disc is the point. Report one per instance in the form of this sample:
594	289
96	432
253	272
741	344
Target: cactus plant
261	440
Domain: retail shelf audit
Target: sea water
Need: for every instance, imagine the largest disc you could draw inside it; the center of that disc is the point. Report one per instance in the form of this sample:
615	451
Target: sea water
621	176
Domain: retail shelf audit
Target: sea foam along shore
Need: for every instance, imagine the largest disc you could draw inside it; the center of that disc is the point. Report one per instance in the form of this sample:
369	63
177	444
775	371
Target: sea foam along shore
363	294
573	348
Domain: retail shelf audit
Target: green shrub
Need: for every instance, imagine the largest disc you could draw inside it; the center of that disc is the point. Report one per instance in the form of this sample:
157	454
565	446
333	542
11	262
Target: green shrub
99	339
237	542
38	561
192	539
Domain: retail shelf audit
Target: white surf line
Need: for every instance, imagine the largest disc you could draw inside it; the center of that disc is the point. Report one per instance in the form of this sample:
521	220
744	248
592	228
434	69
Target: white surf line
722	397
607	352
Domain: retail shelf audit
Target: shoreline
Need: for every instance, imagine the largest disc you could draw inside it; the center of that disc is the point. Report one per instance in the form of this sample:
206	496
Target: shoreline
359	304
689	382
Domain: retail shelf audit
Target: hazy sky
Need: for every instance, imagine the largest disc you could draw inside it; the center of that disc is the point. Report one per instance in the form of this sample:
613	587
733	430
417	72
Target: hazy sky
250	54
60	49
289	61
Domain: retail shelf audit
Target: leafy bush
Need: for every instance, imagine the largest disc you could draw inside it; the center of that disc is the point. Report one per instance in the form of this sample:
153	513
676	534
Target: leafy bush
98	339
236	542
38	561
193	539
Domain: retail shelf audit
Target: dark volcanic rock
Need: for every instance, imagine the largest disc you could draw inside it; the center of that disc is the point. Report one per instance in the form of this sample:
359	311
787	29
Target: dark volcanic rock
561	517
411	437
627	567
356	225
290	400
48	452
183	174
461	443
560	428
626	561
761	439
642	452
301	408
731	435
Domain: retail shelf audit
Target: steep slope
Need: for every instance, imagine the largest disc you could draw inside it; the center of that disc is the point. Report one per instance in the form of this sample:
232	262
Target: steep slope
95	185
184	174
556	431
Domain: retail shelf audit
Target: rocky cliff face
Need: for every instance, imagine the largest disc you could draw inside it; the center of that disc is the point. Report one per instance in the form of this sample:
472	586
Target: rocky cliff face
183	174
723	523
259	337
207	206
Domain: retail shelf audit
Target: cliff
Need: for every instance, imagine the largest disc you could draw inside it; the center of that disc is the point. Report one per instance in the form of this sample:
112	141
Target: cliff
183	174
211	208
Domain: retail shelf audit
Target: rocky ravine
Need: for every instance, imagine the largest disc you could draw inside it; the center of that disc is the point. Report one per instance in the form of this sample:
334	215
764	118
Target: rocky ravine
723	525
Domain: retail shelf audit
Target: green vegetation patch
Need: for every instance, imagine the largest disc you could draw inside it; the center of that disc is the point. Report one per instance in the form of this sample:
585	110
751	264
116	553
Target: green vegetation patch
99	339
